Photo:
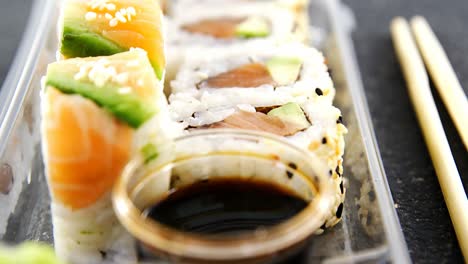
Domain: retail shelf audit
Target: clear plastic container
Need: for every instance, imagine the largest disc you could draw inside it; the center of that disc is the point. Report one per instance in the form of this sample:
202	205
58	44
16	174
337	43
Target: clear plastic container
370	230
215	155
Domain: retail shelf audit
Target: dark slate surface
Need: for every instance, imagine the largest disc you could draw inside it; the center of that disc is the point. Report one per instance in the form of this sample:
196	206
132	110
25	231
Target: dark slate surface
13	18
421	208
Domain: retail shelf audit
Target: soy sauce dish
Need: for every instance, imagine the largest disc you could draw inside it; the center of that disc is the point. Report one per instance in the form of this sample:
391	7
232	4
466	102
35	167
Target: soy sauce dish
224	196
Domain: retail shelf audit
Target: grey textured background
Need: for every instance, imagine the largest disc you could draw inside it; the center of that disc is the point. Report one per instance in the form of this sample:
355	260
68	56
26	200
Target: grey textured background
421	208
414	185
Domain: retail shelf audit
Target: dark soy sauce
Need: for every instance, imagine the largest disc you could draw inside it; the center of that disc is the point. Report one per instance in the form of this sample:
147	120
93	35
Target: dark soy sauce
226	207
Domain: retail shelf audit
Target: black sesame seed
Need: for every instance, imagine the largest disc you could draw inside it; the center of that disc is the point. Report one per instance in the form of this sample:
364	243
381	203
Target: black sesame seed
289	174
319	92
323	226
324	140
372	196
337	170
369	219
330	172
174	181
103	254
292	165
341	187
340	120
339	211
317	180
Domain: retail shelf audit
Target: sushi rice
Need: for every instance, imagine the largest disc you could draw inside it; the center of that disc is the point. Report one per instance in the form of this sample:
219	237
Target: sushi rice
86	144
324	138
286	25
282	22
314	82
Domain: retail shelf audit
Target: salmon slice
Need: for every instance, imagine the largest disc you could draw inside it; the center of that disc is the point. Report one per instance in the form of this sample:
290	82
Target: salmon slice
259	122
122	24
86	148
246	76
222	28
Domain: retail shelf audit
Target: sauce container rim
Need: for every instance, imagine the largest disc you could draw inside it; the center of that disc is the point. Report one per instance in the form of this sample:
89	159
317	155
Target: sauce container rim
176	244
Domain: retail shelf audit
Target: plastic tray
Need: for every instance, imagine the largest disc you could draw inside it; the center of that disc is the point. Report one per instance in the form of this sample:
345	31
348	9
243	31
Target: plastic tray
370	230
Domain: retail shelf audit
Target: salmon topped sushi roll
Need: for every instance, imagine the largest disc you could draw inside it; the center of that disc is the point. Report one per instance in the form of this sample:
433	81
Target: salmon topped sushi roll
285	90
254	74
105	27
93	109
313	125
226	22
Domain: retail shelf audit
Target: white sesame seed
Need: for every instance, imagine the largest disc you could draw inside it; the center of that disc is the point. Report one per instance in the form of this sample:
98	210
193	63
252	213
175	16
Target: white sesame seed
125	90
133	63
202	75
113	22
108	16
140	82
110	7
123	11
104	62
90	16
141	51
111	71
120	17
131	10
80	75
122	78
98	4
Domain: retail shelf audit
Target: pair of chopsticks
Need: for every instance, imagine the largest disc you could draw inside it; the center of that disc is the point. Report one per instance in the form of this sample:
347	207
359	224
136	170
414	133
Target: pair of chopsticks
455	101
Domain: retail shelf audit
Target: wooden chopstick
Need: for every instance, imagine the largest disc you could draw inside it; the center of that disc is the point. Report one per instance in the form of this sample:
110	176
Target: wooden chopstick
443	75
434	135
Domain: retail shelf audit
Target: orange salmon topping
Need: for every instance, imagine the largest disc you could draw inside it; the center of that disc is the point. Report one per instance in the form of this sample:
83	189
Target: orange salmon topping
130	23
246	76
222	28
259	122
86	149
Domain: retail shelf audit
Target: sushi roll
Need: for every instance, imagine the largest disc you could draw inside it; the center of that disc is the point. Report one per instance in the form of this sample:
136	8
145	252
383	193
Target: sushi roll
96	114
285	90
228	23
267	9
255	74
105	27
315	126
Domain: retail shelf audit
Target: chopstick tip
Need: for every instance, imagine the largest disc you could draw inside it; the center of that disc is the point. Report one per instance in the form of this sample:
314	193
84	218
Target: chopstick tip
398	22
418	20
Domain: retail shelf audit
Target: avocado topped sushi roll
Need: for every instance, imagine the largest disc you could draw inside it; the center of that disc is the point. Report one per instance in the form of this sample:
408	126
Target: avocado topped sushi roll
280	89
93	110
105	27
256	74
231	22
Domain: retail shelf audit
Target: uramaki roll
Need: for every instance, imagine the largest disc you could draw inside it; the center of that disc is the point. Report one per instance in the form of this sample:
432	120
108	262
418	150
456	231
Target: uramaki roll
96	113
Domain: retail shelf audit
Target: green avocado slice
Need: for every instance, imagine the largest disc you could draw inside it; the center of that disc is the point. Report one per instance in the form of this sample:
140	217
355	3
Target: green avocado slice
128	107
284	70
253	27
78	41
29	252
149	152
291	113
